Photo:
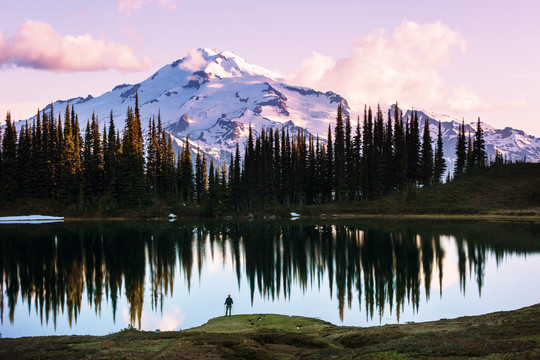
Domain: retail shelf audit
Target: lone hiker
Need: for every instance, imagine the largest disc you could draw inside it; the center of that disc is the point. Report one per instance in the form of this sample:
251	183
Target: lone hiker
228	305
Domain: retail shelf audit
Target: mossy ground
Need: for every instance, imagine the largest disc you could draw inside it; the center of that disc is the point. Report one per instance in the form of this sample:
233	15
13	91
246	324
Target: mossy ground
501	335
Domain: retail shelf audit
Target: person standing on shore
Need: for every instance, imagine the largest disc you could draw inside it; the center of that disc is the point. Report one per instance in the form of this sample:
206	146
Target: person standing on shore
228	305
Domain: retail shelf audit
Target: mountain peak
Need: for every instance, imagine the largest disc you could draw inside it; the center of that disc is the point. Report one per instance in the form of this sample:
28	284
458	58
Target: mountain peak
224	64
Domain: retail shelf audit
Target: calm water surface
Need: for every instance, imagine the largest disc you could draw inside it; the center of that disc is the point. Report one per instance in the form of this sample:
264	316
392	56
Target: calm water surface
97	278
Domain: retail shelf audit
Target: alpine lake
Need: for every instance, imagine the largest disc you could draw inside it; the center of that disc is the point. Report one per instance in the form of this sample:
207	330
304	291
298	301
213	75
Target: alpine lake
86	277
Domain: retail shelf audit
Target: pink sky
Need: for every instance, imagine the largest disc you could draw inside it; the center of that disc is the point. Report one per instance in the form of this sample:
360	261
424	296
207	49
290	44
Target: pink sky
462	58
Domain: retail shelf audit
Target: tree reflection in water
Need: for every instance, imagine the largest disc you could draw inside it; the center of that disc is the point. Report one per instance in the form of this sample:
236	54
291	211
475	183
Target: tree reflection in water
51	266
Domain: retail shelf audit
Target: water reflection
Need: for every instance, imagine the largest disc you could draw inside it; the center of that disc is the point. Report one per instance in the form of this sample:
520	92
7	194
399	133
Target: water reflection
383	266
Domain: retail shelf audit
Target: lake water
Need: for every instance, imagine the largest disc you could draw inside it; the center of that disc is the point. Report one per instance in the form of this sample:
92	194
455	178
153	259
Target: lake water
99	277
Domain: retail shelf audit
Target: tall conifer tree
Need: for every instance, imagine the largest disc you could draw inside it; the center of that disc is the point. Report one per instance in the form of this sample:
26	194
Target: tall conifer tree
479	147
439	166
461	151
426	159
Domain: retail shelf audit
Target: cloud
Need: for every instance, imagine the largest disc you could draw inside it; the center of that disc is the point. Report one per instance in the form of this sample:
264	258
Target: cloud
37	45
127	7
194	61
404	67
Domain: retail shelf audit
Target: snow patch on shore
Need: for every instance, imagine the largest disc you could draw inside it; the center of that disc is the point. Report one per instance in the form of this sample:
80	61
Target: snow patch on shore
30	219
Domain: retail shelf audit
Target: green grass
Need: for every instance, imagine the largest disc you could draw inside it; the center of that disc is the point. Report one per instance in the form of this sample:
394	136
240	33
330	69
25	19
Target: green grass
501	335
510	187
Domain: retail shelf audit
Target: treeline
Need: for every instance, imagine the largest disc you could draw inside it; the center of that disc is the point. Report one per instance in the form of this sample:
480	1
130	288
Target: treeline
356	162
49	159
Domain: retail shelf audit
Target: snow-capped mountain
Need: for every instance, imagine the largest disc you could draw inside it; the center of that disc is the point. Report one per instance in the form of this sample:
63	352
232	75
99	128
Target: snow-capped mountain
214	96
513	144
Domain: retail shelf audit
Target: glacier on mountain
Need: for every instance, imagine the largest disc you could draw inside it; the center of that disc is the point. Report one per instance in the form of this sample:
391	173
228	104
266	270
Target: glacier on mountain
213	97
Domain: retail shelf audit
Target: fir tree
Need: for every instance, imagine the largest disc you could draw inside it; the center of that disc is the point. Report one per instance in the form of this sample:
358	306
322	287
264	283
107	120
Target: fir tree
479	148
111	155
368	156
152	166
461	151
357	151
378	154
185	176
413	149
389	176
133	179
339	160
328	186
9	160
400	150
469	162
236	190
70	158
426	159
200	176
439	167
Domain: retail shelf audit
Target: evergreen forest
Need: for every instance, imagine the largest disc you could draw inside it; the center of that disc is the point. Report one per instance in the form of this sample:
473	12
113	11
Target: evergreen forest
135	168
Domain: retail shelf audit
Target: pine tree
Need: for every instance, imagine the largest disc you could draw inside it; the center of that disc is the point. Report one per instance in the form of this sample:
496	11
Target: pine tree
38	158
111	157
24	160
400	150
250	170
200	177
339	157
328	185
389	176
67	181
236	190
461	151
311	172
87	162
212	191
479	147
132	174
439	167
152	162
413	149
9	160
378	153
368	156
426	158
349	160
469	162
357	159
320	155
97	157
186	184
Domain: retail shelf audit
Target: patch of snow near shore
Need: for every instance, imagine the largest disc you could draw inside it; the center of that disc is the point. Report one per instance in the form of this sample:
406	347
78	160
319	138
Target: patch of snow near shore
30	219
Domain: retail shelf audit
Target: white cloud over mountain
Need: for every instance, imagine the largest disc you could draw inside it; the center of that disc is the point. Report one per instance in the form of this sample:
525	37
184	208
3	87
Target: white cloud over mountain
404	66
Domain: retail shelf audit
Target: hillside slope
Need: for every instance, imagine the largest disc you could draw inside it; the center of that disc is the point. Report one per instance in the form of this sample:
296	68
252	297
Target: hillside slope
509	189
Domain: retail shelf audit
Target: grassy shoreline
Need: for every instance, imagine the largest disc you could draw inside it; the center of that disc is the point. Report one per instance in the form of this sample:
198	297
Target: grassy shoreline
500	335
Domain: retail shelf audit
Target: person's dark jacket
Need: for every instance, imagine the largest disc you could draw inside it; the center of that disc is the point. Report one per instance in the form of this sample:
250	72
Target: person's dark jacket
228	301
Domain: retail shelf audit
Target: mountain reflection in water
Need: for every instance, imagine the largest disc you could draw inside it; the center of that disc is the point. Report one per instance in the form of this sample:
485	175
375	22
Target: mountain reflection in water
51	267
